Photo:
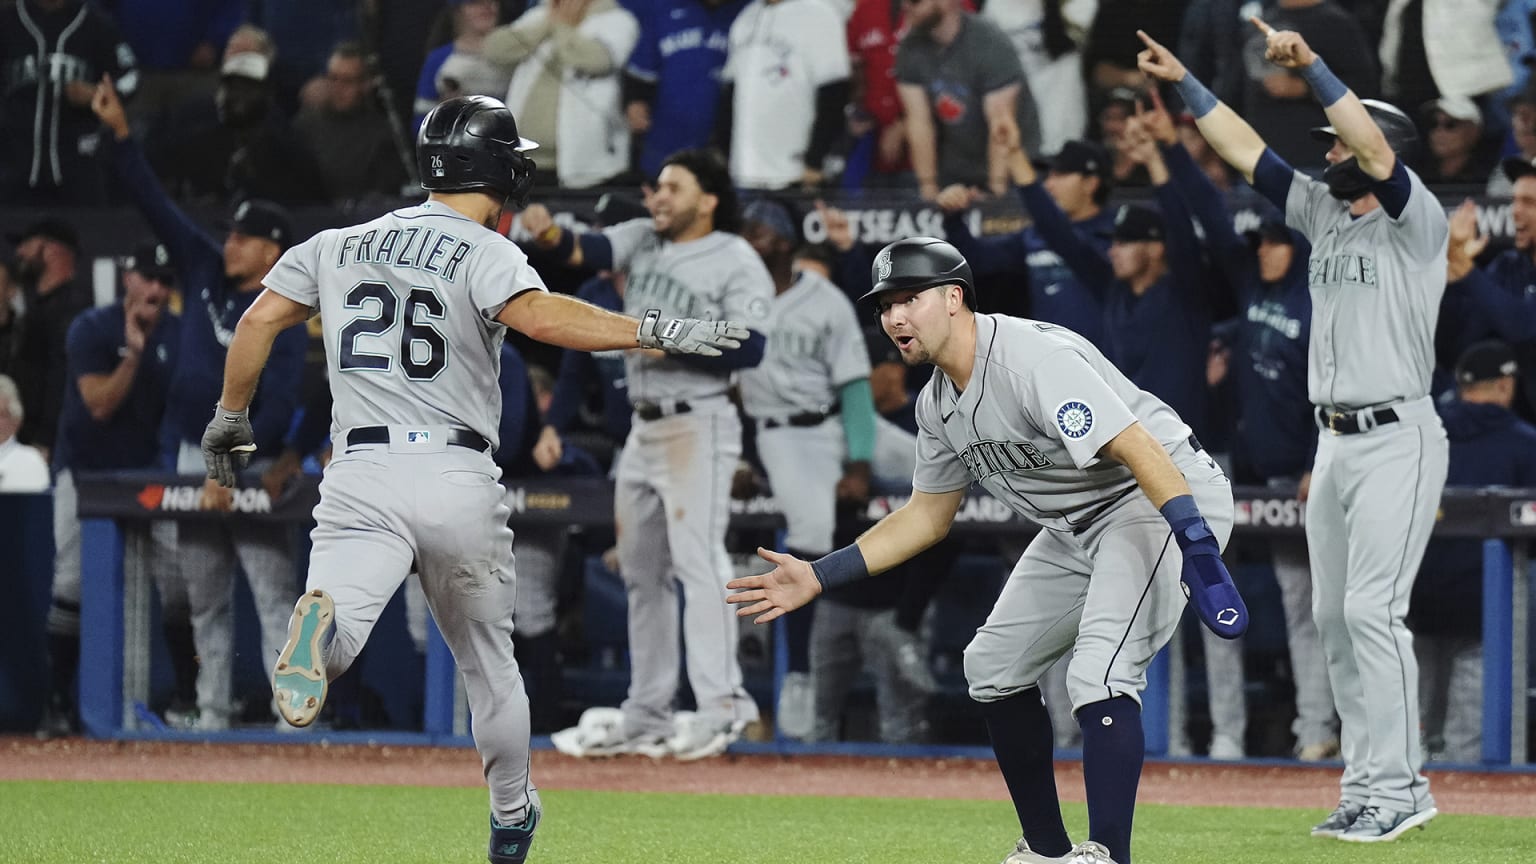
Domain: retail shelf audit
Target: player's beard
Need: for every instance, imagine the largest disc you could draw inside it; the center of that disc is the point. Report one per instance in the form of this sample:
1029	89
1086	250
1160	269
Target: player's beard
678	222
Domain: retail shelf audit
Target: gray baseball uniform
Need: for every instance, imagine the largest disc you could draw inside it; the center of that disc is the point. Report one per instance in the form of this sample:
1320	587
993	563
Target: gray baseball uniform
408	302
1102	579
815	346
1376	284
672	484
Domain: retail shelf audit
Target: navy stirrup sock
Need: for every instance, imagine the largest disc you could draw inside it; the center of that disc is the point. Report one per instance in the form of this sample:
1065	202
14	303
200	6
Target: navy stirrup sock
1020	729
1113	750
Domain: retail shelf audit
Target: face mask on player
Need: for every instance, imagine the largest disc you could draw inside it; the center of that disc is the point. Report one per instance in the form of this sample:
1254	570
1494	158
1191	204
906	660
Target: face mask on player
1346	181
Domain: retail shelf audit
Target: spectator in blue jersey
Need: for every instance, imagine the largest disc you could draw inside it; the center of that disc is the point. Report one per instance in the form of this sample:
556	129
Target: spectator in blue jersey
581	373
1156	320
1490	446
1266	271
1077	181
219	281
672	82
460	68
119	362
1497	301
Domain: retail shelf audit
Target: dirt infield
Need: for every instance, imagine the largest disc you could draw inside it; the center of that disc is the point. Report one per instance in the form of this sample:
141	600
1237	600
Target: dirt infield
1500	794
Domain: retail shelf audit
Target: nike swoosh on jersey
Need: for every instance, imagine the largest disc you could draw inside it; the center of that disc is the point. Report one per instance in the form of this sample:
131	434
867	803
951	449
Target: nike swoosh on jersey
945	418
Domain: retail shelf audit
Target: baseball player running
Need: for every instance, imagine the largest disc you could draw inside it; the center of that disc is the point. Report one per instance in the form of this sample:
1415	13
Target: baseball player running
672	490
1377	272
416	304
1129	502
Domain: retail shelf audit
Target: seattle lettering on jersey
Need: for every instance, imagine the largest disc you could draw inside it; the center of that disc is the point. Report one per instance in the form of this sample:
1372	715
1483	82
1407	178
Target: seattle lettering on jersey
650	288
414	248
799	344
1344	268
985	458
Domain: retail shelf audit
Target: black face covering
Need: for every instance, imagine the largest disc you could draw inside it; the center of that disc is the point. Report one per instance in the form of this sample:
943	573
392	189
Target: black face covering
1346	181
242	106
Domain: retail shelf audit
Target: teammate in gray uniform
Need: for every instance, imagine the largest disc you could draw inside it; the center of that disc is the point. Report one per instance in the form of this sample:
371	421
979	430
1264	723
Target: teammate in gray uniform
415	306
1038	417
672	489
1377	273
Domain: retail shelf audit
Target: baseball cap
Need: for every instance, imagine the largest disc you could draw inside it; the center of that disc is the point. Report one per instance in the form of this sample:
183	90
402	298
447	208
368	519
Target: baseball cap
152	261
612	209
257	217
1486	361
1122	96
56	230
772	215
1078	157
247	64
1272	230
1135	223
1456	107
1515	168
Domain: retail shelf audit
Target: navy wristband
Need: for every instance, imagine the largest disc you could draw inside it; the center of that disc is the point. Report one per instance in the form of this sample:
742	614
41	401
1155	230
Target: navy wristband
1326	85
1197	98
840	567
1189	527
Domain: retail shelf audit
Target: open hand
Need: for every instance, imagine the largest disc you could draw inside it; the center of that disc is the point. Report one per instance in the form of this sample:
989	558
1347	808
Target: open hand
1284	47
788	586
1156	61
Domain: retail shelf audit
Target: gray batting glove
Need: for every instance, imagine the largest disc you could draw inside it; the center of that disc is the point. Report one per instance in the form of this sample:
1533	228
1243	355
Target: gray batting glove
689	335
228	443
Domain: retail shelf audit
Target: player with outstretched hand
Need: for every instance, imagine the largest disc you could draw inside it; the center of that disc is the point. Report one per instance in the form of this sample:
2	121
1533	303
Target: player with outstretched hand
1129	501
415	306
1377	273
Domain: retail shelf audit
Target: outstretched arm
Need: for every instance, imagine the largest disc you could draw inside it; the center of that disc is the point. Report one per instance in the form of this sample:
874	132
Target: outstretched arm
923	521
1229	135
1344	109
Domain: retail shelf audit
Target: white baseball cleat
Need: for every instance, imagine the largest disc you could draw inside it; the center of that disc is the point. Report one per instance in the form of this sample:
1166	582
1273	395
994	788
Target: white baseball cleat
1379	825
1022	854
600	732
299	681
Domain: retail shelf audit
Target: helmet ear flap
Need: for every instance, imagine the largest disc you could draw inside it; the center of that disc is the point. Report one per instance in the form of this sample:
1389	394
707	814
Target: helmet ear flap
522	179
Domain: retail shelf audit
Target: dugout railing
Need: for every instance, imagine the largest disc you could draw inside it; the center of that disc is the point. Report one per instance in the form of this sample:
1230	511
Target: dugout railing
114	661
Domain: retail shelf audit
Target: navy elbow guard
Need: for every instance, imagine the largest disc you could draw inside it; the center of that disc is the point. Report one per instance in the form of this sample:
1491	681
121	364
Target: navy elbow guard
1204	576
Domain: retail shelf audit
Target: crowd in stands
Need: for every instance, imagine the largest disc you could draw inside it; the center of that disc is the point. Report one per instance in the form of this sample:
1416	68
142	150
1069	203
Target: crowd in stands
262	105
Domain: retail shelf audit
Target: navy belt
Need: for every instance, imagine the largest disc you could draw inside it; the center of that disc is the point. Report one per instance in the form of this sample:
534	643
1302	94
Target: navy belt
457	436
653	411
802	420
1348	422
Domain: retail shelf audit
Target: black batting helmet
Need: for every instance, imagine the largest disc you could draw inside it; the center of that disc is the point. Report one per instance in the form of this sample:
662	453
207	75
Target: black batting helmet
470	144
1402	136
920	262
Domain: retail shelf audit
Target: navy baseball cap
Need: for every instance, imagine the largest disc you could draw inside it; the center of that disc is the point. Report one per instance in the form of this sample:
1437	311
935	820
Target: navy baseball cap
152	261
268	220
1515	168
612	209
1489	360
1272	230
772	215
1135	224
1078	157
53	229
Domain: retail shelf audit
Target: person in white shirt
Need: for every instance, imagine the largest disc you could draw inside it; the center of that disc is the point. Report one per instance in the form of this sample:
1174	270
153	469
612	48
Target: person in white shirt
786	78
22	468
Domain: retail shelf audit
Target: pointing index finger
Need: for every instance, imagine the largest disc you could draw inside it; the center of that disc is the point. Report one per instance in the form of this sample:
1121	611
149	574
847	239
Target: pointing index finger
1148	40
1259	23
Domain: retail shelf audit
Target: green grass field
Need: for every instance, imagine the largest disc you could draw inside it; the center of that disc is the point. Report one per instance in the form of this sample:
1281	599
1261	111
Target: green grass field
184	823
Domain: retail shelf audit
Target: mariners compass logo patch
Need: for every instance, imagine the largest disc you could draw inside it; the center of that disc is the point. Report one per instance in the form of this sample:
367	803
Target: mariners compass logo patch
883	265
1075	419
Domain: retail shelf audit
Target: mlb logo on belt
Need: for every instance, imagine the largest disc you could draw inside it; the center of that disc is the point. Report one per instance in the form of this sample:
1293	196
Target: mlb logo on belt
418	436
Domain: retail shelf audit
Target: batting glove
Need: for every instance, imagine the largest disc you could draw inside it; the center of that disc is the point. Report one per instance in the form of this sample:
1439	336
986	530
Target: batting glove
228	443
689	335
